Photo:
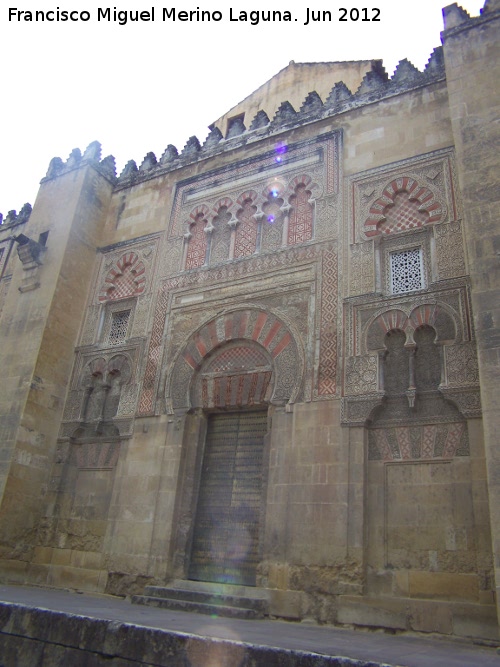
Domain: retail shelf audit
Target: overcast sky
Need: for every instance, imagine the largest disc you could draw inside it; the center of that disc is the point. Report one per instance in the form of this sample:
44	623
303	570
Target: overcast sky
140	86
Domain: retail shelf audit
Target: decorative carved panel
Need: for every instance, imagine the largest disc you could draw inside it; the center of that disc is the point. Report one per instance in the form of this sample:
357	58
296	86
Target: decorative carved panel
403	195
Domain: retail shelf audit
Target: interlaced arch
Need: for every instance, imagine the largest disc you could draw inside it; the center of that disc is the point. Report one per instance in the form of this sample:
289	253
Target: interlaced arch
404	205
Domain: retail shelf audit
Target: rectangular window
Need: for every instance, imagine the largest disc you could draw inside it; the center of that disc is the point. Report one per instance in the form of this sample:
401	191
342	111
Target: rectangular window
407	271
119	326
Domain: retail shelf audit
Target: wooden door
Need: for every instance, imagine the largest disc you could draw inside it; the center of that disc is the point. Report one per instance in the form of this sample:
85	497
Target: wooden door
226	535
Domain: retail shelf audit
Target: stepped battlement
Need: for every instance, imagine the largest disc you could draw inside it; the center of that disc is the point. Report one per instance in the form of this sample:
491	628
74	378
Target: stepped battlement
376	85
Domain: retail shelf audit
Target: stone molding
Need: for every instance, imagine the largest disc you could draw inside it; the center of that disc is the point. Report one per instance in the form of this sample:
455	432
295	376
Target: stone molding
253	325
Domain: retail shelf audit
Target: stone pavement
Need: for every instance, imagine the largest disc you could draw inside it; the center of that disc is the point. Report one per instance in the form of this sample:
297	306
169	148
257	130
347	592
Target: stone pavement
377	648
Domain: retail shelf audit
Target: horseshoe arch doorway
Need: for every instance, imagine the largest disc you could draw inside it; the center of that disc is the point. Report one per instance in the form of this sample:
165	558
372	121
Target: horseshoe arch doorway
233	386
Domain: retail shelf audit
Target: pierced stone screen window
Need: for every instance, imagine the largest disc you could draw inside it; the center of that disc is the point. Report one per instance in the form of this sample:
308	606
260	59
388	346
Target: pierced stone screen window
407	271
119	326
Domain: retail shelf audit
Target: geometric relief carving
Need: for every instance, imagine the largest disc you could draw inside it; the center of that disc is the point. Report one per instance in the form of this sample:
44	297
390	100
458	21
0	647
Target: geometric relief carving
103	382
467	399
355	411
272	222
246	230
461	365
236	375
301	218
361	375
426	314
327	217
418	442
327	368
155	347
101	401
288	377
260	174
126	278
196	242
403	196
404	205
404	214
361	274
221	236
90	327
265	346
73	406
128	400
97	456
257	265
449	250
141	316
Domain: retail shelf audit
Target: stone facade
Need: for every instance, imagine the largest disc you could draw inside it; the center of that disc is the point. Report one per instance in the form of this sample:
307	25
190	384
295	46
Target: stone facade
271	359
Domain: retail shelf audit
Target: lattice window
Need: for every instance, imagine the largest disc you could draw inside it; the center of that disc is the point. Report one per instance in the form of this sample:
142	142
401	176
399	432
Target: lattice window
407	271
119	326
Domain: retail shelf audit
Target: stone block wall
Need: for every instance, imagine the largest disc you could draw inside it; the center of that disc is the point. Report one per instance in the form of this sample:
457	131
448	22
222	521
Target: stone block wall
314	267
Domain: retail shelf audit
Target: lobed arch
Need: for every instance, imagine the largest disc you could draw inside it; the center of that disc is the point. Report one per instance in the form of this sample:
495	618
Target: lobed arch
302	179
102	383
198	212
225	202
247	331
245	196
107	368
438	316
126	278
276	188
423	208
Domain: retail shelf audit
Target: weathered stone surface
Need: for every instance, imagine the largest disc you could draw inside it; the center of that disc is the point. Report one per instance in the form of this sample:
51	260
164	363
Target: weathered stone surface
330	274
33	639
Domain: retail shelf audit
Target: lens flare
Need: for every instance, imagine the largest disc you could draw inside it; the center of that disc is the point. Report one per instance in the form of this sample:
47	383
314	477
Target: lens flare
280	150
207	651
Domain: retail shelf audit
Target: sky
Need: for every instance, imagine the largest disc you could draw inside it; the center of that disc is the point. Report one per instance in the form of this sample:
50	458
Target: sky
140	86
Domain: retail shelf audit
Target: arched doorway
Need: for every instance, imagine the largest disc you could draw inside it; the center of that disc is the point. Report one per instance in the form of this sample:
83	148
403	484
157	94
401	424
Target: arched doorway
227	527
225	384
236	378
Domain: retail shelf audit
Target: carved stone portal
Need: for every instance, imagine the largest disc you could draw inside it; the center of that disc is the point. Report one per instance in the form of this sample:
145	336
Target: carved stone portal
244	357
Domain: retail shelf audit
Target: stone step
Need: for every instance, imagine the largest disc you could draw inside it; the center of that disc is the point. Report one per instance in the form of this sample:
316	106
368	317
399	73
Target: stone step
228	600
218	588
211	597
198	607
